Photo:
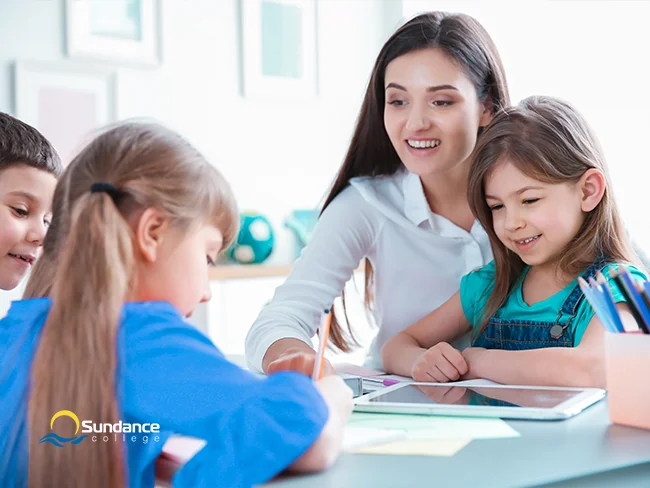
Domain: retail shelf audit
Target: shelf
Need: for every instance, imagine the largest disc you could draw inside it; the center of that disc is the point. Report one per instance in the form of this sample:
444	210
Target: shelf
248	271
245	271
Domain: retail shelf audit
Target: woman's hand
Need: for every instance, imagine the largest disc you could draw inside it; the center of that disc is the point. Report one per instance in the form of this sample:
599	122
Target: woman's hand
300	361
440	363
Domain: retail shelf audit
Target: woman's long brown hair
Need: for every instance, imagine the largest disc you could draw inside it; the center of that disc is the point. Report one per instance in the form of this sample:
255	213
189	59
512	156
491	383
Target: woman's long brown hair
88	270
371	153
549	140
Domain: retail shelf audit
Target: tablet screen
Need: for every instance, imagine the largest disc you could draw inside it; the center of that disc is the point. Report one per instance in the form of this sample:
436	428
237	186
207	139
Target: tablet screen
477	396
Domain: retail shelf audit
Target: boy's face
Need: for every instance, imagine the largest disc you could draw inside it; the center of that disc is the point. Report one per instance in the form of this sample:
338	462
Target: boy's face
25	213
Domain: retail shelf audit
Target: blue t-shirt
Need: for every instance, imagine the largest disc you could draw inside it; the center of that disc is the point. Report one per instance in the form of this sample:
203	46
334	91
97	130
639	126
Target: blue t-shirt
476	287
170	374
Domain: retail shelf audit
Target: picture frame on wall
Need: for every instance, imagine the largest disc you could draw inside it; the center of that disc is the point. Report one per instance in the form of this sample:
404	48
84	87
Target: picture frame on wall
68	103
279	48
120	31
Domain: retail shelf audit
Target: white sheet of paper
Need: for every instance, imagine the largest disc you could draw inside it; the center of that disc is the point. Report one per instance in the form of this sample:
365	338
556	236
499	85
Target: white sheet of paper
422	447
434	427
358	437
183	448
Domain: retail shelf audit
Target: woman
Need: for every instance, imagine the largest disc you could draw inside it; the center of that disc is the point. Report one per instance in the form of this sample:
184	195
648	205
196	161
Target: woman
399	199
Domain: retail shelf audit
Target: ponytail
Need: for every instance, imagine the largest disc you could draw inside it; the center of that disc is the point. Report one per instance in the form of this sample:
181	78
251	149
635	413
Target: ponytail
75	363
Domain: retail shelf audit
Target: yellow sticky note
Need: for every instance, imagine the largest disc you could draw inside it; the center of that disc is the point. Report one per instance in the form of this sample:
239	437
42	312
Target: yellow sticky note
418	447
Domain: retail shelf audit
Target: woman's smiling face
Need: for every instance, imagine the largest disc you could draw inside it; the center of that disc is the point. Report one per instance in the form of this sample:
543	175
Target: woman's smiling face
432	114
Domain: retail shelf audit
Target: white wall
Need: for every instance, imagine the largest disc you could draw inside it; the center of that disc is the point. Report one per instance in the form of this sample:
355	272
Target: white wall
280	155
595	55
277	155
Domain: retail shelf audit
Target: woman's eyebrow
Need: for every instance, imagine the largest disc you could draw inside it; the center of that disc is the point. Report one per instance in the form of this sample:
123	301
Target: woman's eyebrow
429	89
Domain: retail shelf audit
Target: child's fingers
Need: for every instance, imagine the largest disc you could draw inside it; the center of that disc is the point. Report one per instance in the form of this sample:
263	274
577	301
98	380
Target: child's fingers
455	357
446	369
441	363
436	375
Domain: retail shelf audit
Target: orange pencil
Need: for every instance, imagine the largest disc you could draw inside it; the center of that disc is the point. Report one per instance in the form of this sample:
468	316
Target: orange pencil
323	335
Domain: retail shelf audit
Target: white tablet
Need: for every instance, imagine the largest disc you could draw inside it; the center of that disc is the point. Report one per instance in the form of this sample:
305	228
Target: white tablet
513	402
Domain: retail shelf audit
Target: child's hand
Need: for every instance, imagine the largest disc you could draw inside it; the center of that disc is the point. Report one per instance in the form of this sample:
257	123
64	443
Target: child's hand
322	453
337	395
440	363
471	355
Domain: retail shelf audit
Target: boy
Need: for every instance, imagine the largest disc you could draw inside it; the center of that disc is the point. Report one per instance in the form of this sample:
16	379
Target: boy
29	168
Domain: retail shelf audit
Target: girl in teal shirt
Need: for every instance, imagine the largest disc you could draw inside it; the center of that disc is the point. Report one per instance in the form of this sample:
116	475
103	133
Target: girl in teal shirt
139	215
539	186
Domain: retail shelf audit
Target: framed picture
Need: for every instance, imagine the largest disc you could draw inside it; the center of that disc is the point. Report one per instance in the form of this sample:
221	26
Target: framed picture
279	48
122	31
66	102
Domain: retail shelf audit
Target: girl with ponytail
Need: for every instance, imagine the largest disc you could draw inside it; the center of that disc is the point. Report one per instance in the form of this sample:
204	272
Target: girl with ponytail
139	217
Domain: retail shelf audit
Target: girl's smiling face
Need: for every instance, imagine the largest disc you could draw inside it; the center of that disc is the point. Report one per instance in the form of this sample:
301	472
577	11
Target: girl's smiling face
535	220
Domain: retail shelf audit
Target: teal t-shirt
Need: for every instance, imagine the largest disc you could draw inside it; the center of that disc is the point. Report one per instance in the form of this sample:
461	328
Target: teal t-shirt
475	289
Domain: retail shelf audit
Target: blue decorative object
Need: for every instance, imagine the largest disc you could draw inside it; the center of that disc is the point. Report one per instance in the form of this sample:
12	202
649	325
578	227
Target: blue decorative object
302	223
255	241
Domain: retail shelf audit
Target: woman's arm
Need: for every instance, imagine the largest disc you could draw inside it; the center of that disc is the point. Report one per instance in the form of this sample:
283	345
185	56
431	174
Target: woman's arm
425	345
292	355
280	338
583	365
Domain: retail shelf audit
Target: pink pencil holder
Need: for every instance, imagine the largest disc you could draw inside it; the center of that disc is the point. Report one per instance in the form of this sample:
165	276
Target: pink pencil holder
628	383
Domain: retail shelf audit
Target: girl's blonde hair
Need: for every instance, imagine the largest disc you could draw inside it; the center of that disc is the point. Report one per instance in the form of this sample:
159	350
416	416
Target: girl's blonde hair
88	269
549	140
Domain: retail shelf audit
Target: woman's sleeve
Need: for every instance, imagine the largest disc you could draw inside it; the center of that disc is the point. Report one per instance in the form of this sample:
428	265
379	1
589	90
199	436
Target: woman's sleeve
255	427
342	237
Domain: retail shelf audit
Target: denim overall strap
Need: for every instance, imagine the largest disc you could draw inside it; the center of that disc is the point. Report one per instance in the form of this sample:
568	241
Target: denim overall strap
513	334
572	303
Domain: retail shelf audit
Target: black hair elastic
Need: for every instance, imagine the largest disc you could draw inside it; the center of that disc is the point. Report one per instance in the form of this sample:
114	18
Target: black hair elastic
103	187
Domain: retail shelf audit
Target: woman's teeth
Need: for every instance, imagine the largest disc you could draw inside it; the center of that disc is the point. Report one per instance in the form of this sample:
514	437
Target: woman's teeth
23	258
423	144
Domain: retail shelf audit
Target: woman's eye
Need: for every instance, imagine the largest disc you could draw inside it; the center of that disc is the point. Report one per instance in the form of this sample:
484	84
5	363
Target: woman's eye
530	200
397	103
442	103
496	207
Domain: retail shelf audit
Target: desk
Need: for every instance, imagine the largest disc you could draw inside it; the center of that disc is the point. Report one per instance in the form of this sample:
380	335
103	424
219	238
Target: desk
247	271
580	452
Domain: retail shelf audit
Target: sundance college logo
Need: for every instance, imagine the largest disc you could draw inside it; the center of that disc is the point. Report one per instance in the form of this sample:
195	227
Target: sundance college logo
119	431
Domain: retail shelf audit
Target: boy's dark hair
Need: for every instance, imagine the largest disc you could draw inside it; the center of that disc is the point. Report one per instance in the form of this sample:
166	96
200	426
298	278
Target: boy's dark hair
21	143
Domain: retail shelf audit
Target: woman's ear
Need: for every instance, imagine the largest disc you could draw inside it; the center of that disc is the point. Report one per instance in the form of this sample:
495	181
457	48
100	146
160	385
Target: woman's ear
487	113
149	232
592	189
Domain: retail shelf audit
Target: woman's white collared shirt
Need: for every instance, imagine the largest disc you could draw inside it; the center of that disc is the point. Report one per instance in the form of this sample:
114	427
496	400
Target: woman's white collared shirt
418	257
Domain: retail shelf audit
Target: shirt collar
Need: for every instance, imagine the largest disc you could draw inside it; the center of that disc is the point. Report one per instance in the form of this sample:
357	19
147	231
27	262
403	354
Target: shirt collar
416	207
